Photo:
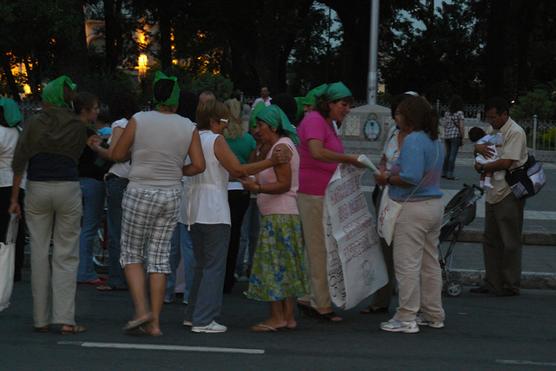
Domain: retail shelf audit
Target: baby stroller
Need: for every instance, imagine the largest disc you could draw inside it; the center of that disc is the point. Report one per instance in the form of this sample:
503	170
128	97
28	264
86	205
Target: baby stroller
458	213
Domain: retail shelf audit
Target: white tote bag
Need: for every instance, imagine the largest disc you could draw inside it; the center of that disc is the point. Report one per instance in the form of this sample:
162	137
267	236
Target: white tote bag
7	257
388	213
389	210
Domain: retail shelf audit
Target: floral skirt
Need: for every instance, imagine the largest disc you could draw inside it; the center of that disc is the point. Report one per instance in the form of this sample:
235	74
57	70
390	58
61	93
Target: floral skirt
278	270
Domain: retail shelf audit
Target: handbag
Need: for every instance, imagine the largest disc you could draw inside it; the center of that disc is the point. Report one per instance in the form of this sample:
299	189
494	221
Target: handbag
7	258
388	213
527	180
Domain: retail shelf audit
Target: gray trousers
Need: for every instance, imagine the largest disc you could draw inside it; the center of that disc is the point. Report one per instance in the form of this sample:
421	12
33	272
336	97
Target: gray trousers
53	211
502	244
210	246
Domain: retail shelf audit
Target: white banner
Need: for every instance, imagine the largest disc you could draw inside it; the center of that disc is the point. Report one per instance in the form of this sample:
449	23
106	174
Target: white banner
355	263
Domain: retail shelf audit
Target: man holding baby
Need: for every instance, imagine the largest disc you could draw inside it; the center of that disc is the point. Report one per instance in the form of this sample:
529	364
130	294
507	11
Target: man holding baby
503	211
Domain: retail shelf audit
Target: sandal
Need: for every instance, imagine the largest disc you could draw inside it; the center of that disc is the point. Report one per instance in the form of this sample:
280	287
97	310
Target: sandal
308	310
95	282
373	310
110	288
72	329
144	331
136	323
261	327
42	330
330	317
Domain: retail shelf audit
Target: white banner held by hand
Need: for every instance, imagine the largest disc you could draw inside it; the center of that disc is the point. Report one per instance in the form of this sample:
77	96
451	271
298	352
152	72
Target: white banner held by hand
368	163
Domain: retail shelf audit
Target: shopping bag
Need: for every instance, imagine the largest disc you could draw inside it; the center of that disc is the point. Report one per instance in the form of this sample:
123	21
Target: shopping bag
388	213
7	258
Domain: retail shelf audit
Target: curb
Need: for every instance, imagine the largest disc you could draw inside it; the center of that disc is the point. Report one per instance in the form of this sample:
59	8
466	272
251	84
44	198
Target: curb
529	280
529	237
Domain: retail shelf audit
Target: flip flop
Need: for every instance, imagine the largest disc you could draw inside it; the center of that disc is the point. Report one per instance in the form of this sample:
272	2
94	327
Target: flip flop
307	310
95	282
42	330
110	288
330	317
142	331
373	310
74	330
136	323
261	327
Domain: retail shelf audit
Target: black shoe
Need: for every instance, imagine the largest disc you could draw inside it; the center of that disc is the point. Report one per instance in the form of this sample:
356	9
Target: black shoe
480	290
451	177
508	292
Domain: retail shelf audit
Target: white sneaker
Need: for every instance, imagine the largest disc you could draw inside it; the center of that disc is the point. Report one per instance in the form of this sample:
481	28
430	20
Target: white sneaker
434	324
211	328
408	327
187	323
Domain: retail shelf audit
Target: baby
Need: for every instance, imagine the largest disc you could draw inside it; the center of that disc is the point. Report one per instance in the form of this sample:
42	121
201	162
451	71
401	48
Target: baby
478	136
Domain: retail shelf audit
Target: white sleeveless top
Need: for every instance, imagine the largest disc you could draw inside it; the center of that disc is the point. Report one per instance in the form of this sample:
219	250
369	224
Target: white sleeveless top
207	201
159	149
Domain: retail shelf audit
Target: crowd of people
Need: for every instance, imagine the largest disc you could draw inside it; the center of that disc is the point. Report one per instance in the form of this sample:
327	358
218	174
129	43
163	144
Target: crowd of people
186	182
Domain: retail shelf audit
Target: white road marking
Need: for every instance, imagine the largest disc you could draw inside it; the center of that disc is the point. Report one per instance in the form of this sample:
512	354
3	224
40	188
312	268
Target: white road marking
523	362
181	348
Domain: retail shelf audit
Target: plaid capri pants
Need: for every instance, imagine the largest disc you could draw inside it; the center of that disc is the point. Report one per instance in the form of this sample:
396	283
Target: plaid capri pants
149	217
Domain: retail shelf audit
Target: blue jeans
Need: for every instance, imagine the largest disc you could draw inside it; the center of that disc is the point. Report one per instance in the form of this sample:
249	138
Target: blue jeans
93	192
452	147
115	188
181	246
249	236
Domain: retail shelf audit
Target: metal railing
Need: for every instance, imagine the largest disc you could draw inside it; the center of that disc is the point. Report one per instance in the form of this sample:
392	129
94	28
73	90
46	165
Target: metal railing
541	135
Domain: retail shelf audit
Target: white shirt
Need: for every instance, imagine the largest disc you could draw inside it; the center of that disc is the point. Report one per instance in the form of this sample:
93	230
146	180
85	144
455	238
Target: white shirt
207	199
266	102
120	169
8	142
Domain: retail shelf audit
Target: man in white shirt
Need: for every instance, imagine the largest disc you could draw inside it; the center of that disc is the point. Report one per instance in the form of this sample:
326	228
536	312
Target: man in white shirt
265	97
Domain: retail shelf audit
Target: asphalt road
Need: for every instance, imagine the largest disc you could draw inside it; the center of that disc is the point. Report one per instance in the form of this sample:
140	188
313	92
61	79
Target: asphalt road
481	333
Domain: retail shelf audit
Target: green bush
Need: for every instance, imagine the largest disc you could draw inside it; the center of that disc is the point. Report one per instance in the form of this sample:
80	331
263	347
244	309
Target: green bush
536	102
106	86
549	137
221	86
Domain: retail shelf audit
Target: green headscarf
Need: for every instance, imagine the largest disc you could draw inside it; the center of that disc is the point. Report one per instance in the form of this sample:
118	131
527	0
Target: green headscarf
336	91
12	114
274	117
53	92
253	118
174	98
311	98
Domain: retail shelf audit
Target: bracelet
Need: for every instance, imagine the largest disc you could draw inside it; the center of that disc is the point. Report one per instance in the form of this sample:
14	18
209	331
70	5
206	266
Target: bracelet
388	179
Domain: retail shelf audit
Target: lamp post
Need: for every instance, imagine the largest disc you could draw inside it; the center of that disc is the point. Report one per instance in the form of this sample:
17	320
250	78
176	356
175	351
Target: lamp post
373	52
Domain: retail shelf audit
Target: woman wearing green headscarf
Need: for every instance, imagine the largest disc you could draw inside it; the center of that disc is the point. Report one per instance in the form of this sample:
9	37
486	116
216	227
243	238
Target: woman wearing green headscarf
158	142
49	148
10	117
320	152
278	273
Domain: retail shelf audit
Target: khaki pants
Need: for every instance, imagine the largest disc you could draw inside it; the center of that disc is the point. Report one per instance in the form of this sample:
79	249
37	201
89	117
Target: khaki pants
416	260
311	212
502	244
53	210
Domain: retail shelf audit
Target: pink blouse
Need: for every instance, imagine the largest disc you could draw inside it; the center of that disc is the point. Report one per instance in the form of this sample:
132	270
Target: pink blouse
284	203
